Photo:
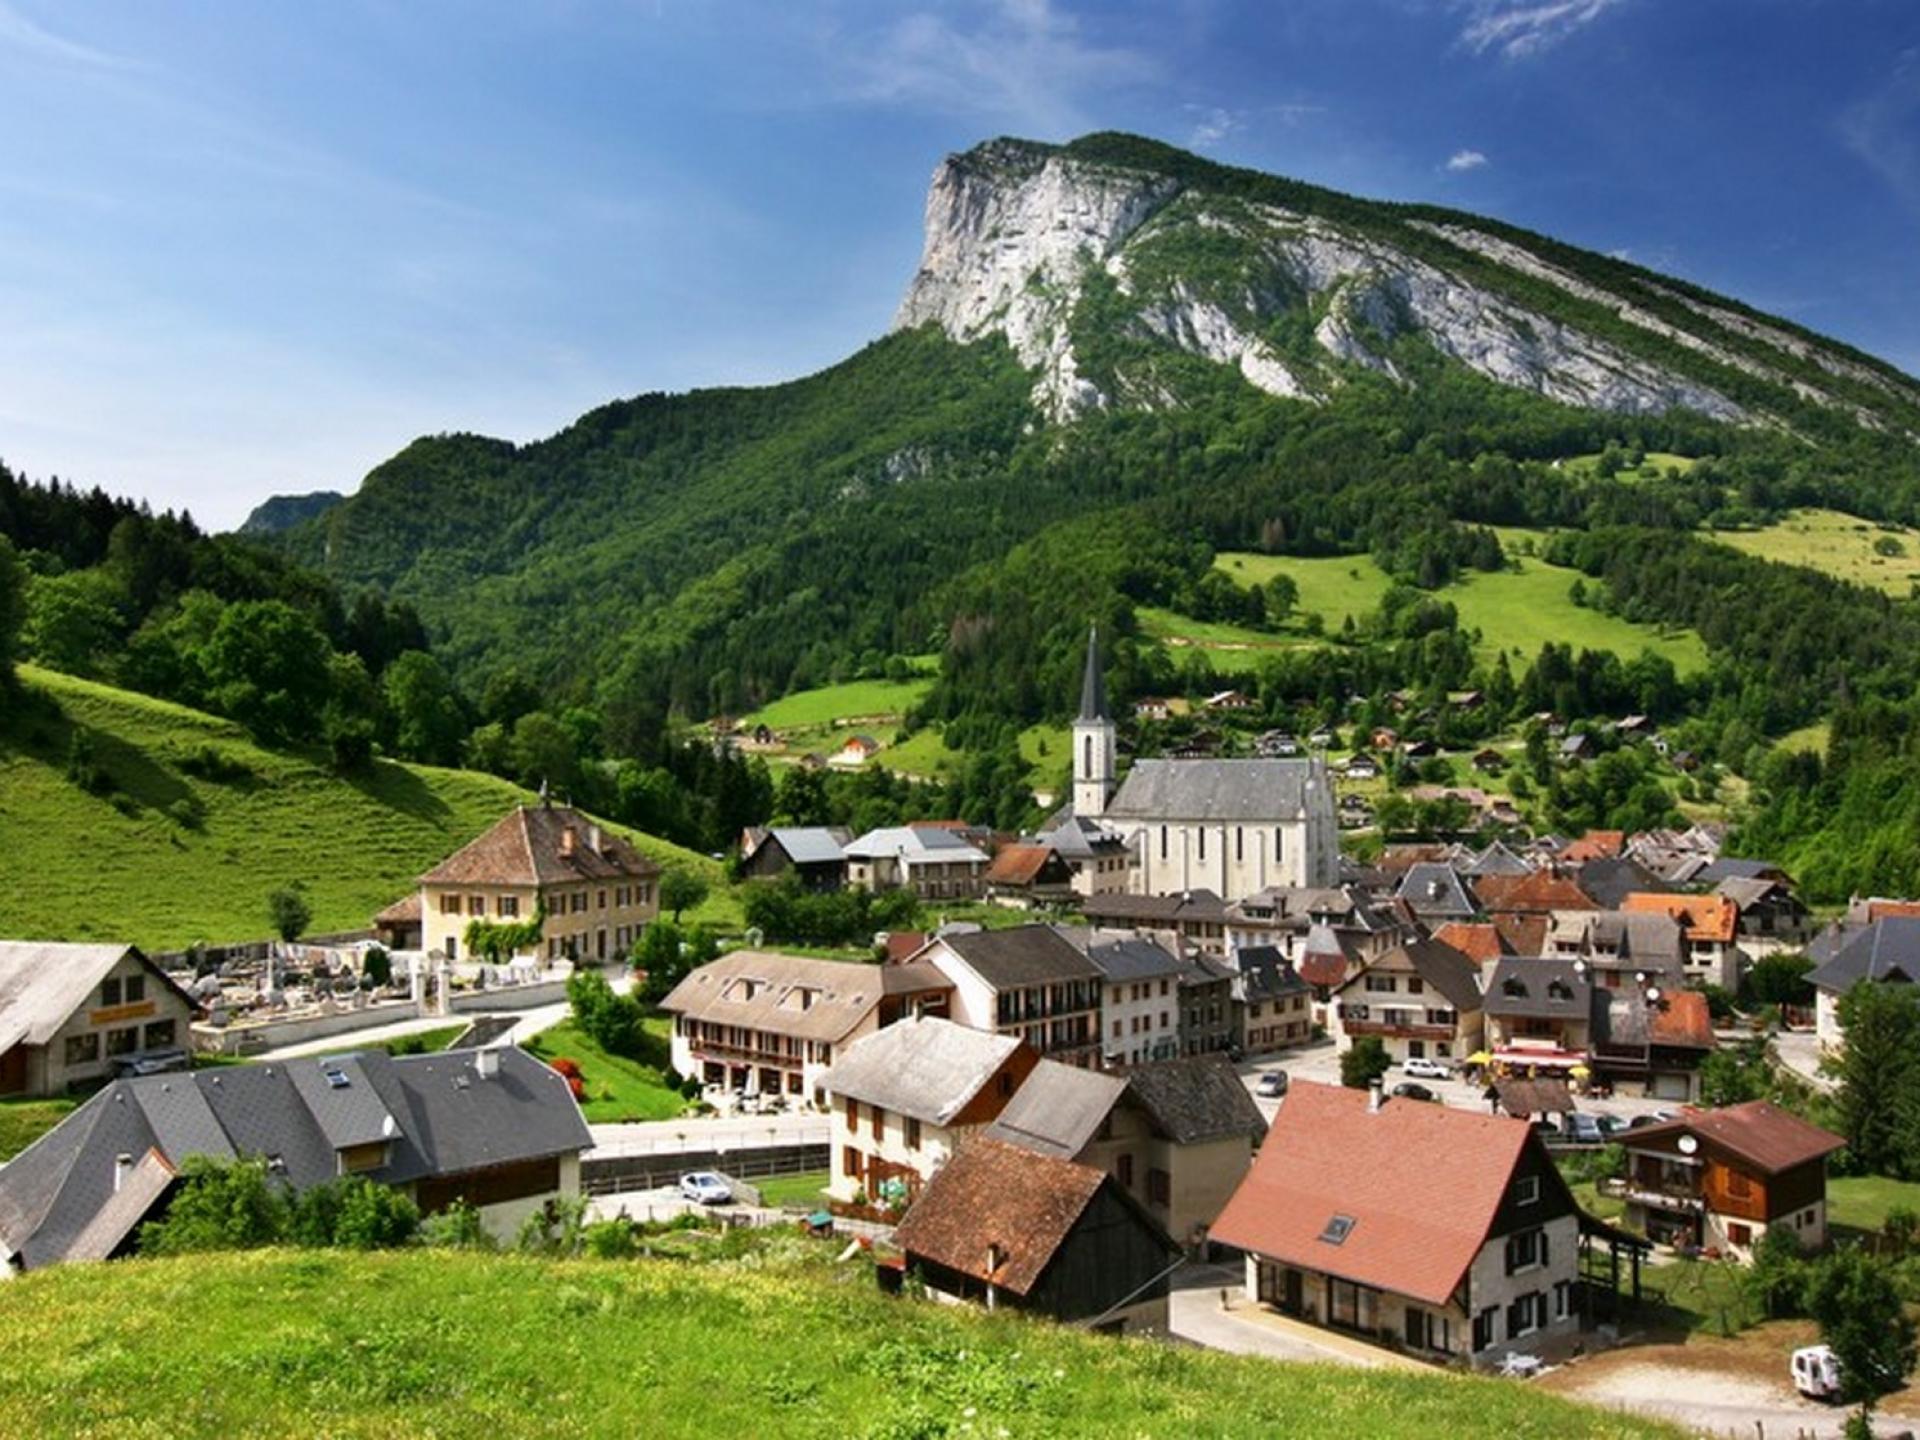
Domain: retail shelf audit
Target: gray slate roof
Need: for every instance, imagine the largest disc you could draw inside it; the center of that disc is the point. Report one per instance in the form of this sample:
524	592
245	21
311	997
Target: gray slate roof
1266	974
1124	956
1888	949
1540	989
1253	792
923	1067
1611	879
810	844
1434	888
1196	1099
1729	867
1024	955
1058	1110
445	1121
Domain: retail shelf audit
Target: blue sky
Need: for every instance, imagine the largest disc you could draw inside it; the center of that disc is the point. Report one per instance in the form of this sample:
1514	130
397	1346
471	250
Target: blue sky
247	249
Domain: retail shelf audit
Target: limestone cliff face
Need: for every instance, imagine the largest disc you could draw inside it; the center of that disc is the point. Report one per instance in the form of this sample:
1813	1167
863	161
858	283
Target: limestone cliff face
1063	255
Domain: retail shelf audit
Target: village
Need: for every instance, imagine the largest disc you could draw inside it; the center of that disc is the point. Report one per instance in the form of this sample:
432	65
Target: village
1203	1077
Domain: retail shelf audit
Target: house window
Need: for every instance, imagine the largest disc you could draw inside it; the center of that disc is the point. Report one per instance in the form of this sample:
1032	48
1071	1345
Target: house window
850	1162
913	1133
1415	985
1560	1292
1163	842
135	989
1006	1084
449	904
1159	1187
1526	1315
1485	1324
509	905
853	1115
879	1123
476	904
83	1049
1525	1250
1239	843
1203	842
1741	1235
1739	1187
1380	984
1123	1171
159	1035
1526	1190
123	1042
110	991
603	899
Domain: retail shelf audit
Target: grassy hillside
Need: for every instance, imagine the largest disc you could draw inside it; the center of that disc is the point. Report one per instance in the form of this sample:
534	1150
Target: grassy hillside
181	851
1838	545
1516	610
429	1345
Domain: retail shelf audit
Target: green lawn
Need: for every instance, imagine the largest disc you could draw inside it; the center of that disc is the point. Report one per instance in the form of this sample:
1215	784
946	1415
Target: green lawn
797	1190
134	871
1808	737
1861	1202
1515	610
779	1342
830	704
1657	463
1836	544
24	1121
618	1089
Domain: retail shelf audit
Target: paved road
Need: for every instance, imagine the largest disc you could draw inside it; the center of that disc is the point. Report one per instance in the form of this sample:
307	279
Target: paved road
667	1137
1706	1400
1799	1051
1321	1062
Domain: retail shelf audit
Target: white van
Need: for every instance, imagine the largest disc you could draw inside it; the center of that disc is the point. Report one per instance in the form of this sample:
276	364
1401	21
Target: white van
1816	1372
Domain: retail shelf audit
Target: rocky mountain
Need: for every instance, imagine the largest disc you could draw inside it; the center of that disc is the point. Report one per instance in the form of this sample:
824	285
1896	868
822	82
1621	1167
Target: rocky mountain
1294	286
1113	359
283	512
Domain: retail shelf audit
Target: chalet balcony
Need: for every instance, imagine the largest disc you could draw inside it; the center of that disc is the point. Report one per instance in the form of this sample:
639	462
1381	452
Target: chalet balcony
1397	1030
744	1054
1663	1196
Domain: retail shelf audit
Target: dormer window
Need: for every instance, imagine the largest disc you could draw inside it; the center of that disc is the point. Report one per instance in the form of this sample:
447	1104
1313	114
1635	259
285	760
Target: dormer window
1514	986
1559	990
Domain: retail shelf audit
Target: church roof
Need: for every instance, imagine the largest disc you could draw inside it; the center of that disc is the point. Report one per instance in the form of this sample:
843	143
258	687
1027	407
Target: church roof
1093	685
1248	791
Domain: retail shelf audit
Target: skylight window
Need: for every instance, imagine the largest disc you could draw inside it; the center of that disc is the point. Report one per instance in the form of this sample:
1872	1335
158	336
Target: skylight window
1337	1230
337	1079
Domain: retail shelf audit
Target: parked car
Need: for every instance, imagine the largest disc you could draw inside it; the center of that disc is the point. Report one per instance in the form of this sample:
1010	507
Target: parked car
1816	1372
1613	1125
1579	1129
703	1187
1273	1084
1407	1090
151	1062
1657	1117
1428	1069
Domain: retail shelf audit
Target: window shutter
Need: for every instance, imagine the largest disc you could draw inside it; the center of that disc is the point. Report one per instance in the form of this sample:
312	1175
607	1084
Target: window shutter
1543	1247
1510	1266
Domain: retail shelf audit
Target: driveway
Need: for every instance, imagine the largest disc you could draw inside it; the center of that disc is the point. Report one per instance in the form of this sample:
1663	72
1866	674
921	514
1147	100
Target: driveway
1799	1052
1209	1308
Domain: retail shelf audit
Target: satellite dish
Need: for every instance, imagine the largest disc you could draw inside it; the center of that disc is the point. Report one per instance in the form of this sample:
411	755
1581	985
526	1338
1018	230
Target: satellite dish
1653	994
1686	1144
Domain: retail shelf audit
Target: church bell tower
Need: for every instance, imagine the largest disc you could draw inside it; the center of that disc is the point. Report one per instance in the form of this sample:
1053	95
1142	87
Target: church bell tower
1093	739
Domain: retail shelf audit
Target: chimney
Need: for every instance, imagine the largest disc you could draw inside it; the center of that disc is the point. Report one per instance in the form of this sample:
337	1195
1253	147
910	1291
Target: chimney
122	1163
566	841
1375	1096
486	1062
595	839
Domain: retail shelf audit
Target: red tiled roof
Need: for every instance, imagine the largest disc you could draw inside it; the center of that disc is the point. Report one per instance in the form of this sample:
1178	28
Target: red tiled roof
1420	1182
1523	934
903	944
1682	1018
1706	917
1018	865
1537	893
991	1194
531	846
1758	1132
1893	909
1322	969
1595	845
1479	943
402	911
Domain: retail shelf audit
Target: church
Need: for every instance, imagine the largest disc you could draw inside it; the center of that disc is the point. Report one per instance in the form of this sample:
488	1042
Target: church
1234	827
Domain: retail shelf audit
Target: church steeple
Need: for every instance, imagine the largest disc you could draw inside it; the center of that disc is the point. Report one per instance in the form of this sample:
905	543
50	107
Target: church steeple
1093	684
1093	739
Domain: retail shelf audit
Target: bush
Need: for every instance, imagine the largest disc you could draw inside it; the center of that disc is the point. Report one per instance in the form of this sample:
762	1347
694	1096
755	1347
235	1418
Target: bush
220	1205
556	1228
611	1240
377	966
457	1227
1365	1061
374	1217
616	1023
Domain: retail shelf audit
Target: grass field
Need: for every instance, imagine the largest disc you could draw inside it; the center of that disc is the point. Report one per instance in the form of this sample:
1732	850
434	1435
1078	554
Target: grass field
780	1343
829	704
1836	544
1812	737
618	1089
24	1121
808	1189
1861	1202
133	871
1516	610
1656	463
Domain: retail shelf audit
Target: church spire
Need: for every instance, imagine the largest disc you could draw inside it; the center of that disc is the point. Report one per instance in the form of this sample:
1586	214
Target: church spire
1093	685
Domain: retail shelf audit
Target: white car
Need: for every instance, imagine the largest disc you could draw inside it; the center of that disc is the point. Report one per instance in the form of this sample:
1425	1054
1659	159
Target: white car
1428	1069
703	1187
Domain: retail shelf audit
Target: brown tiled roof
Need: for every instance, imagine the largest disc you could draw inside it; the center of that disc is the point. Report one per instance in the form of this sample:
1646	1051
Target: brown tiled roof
902	944
793	995
530	847
1479	943
402	911
1524	934
1706	917
1758	1132
1534	894
1595	845
1683	1019
1018	864
1896	909
1421	1184
992	1194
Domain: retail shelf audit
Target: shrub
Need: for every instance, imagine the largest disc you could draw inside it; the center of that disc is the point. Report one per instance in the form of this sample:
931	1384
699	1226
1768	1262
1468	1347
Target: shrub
374	1217
221	1205
457	1227
612	1240
1365	1061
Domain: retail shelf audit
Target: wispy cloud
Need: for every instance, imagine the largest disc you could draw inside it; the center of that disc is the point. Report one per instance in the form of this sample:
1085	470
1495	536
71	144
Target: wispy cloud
1214	125
1517	29
19	33
1883	129
1020	62
1463	160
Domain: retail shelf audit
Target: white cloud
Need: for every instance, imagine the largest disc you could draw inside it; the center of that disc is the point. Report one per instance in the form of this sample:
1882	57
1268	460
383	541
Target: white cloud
1516	29
1462	160
1881	129
1213	126
19	33
1020	62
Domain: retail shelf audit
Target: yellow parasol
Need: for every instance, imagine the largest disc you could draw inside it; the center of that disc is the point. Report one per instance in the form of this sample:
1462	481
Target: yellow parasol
1480	1057
1579	1072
